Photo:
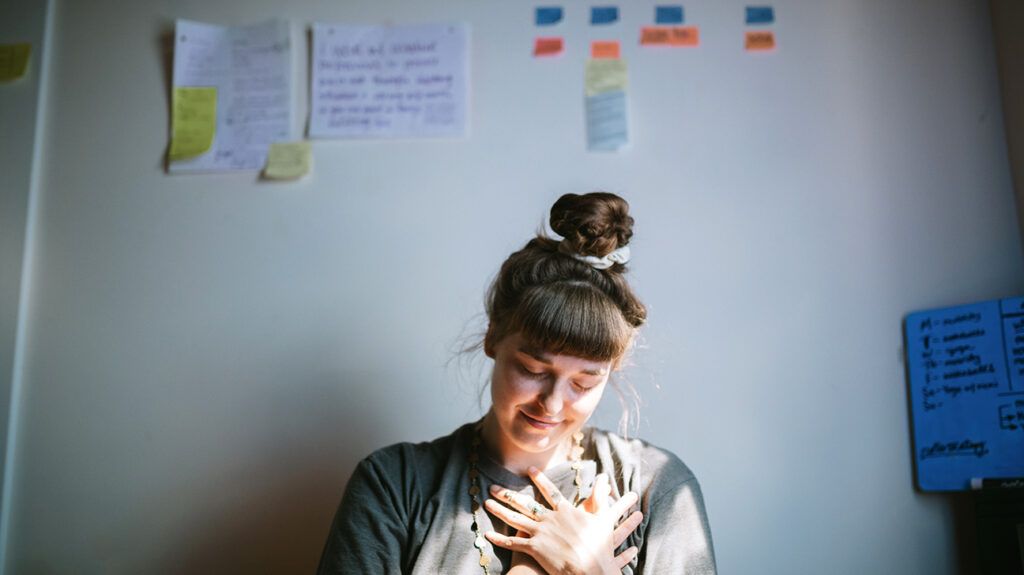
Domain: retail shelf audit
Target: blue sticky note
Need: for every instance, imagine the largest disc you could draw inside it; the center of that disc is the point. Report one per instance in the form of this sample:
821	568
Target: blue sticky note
548	15
668	15
760	15
965	370
604	14
606	121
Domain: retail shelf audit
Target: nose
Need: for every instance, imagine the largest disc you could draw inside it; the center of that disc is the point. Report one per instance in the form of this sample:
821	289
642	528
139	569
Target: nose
551	398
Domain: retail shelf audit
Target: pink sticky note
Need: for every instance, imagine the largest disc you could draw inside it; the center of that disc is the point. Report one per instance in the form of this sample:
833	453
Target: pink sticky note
547	47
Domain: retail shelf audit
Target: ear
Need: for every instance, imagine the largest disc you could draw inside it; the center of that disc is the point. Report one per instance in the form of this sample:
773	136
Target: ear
489	341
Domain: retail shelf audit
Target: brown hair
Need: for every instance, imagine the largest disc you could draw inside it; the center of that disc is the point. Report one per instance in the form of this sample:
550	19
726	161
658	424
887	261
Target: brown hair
560	304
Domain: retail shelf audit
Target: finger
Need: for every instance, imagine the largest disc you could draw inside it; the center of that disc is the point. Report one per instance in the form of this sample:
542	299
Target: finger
623	505
626	527
598	495
520	544
547	488
623	559
518	501
512	518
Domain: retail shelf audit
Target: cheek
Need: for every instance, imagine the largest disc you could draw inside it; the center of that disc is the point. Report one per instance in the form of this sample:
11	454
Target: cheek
507	390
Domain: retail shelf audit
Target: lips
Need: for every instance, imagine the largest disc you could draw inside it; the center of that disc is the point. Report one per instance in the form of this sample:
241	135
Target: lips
539	423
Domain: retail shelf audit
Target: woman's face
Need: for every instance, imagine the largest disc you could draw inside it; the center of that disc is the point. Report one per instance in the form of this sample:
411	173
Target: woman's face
541	399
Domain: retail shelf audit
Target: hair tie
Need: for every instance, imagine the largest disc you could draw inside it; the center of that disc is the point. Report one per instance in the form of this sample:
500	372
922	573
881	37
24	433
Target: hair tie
617	256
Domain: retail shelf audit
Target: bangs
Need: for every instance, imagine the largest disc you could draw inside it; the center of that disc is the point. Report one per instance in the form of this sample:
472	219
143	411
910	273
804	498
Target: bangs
571	318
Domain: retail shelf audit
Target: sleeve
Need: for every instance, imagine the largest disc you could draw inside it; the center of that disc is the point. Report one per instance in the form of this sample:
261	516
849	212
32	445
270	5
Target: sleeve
678	537
369	533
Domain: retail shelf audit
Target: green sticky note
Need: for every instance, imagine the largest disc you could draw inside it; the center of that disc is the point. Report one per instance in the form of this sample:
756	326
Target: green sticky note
605	75
193	122
288	160
14	61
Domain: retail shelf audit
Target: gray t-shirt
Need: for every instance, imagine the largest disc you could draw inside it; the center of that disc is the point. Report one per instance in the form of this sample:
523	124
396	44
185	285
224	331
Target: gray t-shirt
406	509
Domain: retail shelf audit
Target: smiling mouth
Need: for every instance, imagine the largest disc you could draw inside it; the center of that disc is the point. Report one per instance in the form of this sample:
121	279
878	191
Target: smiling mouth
540	423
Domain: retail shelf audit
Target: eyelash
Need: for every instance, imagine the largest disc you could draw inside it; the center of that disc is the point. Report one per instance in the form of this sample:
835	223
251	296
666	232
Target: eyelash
542	375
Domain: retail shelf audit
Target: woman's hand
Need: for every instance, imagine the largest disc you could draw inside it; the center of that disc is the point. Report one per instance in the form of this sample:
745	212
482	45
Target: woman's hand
565	539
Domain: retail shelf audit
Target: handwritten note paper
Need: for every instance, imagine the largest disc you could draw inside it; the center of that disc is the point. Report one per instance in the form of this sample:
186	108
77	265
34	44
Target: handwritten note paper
761	41
14	61
193	122
605	76
547	47
288	160
605	89
675	36
389	81
604	49
548	15
250	70
966	371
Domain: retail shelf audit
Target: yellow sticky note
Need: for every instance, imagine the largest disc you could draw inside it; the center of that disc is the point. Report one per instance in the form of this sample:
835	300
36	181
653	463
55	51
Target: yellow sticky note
193	122
605	75
288	160
13	61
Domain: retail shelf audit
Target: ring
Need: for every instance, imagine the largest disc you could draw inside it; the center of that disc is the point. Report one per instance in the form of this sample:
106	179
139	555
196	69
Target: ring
508	495
537	509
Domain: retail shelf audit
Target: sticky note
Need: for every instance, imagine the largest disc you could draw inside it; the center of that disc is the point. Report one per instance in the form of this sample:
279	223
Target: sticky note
288	160
684	36
13	61
605	76
548	15
680	36
668	14
760	15
193	121
760	41
547	47
606	118
604	49
604	14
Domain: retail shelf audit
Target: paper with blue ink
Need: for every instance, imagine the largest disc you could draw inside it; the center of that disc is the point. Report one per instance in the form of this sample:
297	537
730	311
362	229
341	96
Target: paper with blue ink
604	14
760	15
668	15
965	367
605	89
249	69
548	15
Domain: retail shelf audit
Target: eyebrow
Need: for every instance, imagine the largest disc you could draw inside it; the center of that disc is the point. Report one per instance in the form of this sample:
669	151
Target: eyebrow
545	358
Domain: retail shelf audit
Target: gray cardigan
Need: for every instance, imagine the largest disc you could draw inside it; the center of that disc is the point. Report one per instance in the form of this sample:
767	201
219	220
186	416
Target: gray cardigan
406	509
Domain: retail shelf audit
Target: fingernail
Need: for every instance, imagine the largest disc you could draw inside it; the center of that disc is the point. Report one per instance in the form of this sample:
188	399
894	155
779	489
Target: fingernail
495	489
532	470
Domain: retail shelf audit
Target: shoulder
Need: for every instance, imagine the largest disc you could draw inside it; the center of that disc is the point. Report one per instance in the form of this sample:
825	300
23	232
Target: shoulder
641	465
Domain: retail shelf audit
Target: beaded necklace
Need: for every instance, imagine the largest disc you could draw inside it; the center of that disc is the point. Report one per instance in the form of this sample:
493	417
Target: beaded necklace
575	455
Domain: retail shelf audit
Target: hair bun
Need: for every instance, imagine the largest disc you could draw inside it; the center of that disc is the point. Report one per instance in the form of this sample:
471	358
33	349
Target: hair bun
594	224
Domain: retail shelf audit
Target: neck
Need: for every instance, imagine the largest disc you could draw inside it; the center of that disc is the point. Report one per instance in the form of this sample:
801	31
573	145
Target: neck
517	460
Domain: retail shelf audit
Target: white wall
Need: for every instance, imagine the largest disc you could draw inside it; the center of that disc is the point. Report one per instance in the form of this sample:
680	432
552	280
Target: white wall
20	116
208	357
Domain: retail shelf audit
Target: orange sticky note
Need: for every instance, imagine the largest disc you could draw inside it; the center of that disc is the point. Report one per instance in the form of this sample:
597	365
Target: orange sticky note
684	36
547	47
603	49
655	36
760	41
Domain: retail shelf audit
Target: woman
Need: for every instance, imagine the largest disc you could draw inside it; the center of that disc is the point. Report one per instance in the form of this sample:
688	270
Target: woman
529	488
